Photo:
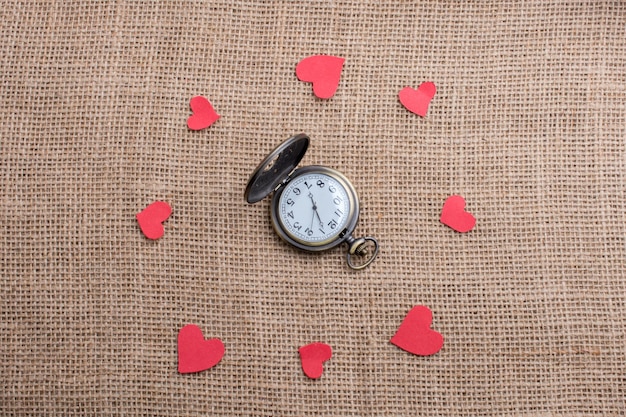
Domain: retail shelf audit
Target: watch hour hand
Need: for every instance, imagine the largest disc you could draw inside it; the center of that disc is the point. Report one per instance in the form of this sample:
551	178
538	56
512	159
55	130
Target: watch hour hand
313	201
315	210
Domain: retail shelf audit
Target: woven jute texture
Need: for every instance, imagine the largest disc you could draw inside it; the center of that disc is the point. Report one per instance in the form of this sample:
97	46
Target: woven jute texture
528	124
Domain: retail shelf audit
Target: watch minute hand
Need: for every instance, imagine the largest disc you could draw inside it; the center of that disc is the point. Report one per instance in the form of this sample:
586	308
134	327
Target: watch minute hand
319	218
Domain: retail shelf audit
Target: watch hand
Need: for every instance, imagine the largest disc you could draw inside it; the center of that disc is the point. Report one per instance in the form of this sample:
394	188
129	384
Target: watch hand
313	201
315	212
312	219
320	220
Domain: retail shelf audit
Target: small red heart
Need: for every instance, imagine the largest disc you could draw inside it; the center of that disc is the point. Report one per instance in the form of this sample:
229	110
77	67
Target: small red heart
313	357
415	335
204	114
195	354
151	218
323	71
453	214
417	101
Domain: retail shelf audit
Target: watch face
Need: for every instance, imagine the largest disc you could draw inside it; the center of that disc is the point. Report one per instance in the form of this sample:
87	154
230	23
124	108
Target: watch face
316	207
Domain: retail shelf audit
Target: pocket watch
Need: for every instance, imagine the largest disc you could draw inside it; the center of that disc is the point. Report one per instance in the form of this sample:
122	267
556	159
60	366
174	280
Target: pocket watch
313	208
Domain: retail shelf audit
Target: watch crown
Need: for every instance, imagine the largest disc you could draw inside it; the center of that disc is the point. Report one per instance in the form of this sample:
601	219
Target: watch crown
361	247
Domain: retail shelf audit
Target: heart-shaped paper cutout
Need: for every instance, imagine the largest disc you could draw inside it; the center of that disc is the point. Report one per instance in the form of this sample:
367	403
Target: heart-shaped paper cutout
415	335
324	71
417	101
195	354
152	217
204	115
453	214
313	357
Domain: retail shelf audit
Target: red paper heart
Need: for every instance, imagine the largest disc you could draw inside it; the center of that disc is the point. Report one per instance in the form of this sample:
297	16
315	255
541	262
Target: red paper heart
453	214
195	354
204	114
417	101
313	357
151	218
415	335
323	71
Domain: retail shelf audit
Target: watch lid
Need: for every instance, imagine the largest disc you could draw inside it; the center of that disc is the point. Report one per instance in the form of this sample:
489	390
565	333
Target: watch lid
276	167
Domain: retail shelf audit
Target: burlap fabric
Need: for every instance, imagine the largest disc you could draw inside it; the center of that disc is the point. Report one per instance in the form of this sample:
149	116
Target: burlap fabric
528	124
